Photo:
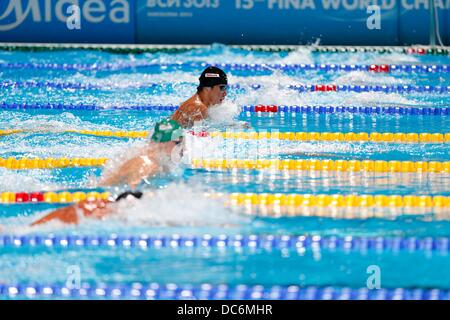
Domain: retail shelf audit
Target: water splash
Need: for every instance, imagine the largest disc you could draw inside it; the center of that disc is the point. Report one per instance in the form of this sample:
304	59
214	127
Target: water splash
179	204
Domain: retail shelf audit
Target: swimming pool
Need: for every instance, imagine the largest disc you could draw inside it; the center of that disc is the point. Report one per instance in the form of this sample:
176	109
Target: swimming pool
246	214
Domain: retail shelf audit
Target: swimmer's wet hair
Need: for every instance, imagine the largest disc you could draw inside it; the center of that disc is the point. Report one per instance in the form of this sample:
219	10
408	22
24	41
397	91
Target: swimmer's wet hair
136	194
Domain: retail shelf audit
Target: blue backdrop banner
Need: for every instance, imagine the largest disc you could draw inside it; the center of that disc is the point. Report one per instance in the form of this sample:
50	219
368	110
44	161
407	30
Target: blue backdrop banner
95	21
389	22
332	22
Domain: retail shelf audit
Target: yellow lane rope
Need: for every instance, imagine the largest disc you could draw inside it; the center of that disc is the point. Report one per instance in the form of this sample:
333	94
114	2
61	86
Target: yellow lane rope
336	200
340	206
50	197
261	199
118	134
292	136
326	165
339	136
279	205
50	163
260	164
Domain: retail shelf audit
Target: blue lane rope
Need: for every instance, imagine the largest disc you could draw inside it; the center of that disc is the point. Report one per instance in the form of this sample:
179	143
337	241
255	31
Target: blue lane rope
60	106
281	110
299	88
47	84
411	244
400	88
406	68
205	291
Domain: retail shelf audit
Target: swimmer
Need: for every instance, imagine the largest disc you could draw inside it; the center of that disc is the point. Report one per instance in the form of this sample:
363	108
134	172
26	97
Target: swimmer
212	90
90	208
167	136
149	161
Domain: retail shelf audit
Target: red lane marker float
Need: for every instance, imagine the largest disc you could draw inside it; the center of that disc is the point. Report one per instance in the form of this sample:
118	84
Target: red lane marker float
385	68
416	51
379	68
199	134
36	197
262	108
22	197
322	87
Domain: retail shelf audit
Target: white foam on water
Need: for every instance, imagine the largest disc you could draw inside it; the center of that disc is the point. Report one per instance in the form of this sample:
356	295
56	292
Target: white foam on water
367	78
301	55
138	78
396	58
178	204
64	121
367	58
374	98
21	224
26	181
224	113
58	147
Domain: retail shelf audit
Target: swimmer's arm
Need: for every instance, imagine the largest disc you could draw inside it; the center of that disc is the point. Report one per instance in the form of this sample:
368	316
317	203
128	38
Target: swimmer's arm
133	170
97	208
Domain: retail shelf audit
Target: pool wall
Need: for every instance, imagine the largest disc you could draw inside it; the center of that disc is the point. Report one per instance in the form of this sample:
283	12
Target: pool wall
282	22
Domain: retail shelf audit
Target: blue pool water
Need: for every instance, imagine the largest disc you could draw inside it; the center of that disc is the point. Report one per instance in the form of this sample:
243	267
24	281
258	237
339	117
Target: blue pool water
179	205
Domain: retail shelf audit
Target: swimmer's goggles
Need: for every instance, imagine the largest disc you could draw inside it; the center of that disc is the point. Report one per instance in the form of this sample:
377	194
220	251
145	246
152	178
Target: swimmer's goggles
223	87
167	130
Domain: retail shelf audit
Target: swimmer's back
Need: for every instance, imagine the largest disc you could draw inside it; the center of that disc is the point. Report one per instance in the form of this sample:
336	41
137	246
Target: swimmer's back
191	111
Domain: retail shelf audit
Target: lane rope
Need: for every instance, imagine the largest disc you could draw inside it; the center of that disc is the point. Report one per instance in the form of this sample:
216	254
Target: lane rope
337	200
377	68
397	137
394	110
289	203
419	167
50	163
206	291
51	197
376	137
252	164
348	244
341	206
246	109
406	88
137	49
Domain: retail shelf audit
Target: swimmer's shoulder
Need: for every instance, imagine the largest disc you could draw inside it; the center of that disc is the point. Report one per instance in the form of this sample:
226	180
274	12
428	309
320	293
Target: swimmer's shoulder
193	103
191	110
